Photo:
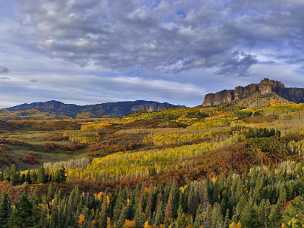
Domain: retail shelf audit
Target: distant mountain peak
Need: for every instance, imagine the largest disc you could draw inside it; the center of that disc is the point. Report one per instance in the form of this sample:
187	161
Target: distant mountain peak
263	88
98	110
54	102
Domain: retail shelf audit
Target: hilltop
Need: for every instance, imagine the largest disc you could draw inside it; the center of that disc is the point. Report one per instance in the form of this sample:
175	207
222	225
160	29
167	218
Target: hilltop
98	110
265	89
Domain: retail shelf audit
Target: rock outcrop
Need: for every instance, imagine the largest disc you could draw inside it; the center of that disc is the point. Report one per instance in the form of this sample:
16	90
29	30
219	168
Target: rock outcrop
265	87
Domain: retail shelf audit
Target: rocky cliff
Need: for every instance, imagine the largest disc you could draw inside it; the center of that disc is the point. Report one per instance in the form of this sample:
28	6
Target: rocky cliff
265	87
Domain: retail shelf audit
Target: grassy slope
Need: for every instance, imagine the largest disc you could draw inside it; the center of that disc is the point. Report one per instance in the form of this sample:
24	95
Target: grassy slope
202	133
181	142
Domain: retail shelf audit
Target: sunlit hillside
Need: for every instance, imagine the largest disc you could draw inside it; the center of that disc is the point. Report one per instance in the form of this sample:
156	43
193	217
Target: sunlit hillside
207	154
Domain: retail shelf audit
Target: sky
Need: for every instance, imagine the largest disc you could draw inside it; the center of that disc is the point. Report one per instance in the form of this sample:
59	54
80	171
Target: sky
96	51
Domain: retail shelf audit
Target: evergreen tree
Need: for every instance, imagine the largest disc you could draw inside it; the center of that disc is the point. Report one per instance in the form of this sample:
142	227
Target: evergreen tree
139	218
192	201
274	216
159	214
123	216
1	176
14	175
59	176
199	217
149	206
217	219
294	213
183	220
23	214
5	211
118	206
169	210
103	214
249	217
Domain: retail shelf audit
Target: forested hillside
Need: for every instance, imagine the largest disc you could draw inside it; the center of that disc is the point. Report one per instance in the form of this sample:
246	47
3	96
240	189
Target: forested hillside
220	166
151	114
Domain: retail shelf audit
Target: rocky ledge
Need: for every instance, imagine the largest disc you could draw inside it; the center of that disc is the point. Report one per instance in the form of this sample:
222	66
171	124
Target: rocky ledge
265	87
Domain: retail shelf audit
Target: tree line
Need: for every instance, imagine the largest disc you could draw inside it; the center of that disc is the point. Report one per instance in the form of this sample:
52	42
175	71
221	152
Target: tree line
262	197
38	176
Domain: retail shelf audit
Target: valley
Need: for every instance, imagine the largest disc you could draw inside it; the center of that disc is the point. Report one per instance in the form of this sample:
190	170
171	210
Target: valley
229	165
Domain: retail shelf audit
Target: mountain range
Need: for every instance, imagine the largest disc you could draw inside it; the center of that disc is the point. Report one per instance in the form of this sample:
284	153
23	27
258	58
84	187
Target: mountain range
246	96
97	110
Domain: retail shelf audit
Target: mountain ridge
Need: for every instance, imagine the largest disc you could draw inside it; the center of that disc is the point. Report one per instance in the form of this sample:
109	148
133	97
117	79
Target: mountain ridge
96	110
263	88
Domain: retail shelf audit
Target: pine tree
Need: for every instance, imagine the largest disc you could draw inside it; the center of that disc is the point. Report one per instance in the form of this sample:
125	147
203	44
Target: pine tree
274	216
199	217
282	194
23	213
103	214
5	211
169	209
118	206
294	213
216	216
159	214
139	218
183	220
249	217
59	176
192	201
149	207
14	175
123	216
62	176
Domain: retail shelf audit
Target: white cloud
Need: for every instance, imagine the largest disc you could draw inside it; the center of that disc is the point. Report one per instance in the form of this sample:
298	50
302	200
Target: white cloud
83	89
164	35
169	50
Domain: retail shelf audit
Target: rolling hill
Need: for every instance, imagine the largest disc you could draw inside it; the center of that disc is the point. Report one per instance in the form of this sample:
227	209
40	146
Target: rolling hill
98	110
229	164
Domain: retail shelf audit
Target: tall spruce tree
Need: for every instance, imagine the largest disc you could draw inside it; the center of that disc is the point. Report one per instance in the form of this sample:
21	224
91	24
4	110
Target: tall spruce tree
23	215
159	213
5	211
122	218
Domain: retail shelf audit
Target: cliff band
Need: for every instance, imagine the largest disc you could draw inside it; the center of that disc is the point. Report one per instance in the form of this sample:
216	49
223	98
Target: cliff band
265	87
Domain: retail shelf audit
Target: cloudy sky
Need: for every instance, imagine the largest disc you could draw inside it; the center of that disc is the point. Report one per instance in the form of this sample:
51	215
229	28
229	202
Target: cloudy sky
93	51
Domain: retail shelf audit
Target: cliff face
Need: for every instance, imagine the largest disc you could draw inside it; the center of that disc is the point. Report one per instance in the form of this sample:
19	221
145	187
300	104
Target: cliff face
265	87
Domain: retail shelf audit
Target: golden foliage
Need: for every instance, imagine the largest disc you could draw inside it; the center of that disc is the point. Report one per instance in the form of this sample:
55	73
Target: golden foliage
144	163
129	223
81	219
235	225
147	225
